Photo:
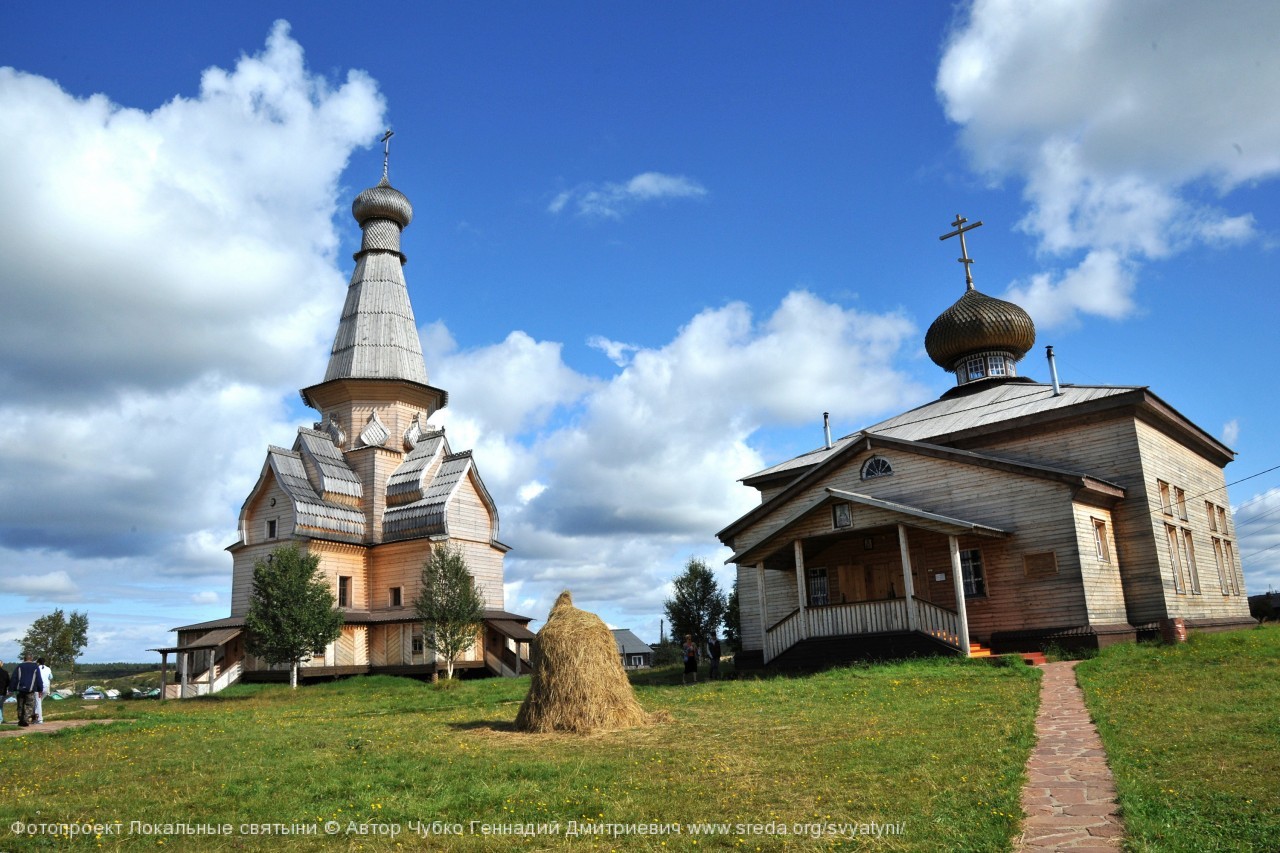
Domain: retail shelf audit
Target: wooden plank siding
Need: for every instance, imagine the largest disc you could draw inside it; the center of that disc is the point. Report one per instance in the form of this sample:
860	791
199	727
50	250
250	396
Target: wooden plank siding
1134	454
468	515
1038	512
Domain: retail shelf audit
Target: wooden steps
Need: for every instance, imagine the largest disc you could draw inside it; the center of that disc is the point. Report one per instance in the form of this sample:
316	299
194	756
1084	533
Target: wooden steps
977	650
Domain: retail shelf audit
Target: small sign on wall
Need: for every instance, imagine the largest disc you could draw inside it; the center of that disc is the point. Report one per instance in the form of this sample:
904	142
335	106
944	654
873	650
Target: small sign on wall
940	576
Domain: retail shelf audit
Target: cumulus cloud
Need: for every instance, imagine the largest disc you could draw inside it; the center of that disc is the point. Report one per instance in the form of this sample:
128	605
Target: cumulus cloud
631	475
1127	126
1257	523
169	275
54	586
611	200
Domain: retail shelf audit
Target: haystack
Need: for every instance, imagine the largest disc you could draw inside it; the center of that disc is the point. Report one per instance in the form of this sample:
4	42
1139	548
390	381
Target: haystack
578	682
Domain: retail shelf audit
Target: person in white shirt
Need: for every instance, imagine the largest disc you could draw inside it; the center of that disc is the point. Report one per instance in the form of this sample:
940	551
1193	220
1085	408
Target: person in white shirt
46	675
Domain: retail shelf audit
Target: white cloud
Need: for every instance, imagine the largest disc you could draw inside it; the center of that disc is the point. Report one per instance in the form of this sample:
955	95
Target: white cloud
54	586
168	277
612	490
611	200
1231	432
205	597
1257	523
1127	125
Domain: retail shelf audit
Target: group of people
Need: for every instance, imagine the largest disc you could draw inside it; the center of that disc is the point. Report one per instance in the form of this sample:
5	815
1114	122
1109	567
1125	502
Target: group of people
30	682
690	649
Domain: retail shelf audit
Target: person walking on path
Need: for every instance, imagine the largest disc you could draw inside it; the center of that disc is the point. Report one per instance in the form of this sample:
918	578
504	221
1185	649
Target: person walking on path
713	655
26	682
46	675
4	689
690	659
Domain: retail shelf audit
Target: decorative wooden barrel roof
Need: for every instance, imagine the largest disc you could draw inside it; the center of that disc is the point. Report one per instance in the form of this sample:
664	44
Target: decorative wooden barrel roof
977	323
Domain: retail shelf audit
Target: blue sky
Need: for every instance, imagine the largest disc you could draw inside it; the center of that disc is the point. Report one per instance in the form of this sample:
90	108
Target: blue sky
652	244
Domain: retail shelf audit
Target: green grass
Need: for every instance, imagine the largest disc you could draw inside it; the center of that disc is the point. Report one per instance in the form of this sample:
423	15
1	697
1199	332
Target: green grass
938	746
1192	734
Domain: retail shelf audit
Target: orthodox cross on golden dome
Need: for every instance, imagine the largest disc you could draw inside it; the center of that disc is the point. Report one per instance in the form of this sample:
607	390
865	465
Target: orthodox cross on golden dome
386	153
964	258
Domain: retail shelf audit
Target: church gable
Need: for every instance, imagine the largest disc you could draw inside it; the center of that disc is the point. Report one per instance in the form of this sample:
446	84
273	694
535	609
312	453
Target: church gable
327	471
431	514
952	482
312	514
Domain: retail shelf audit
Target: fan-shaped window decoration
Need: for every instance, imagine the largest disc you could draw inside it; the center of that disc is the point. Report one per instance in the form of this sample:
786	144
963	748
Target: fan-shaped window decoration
876	466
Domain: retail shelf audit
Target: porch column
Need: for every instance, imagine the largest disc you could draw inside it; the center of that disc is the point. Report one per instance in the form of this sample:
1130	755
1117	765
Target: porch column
164	672
801	594
184	664
957	575
907	586
518	645
763	600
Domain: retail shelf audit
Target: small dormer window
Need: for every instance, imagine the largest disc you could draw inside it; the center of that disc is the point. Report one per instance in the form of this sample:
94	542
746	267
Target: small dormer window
876	466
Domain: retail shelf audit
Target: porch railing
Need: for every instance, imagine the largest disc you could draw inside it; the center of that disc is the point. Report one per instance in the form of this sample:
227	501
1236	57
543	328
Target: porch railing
939	623
889	616
783	635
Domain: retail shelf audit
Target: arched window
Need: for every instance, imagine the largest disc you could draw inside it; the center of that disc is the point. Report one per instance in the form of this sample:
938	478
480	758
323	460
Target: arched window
876	466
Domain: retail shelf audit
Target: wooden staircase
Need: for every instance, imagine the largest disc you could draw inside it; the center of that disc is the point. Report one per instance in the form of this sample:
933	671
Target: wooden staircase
977	650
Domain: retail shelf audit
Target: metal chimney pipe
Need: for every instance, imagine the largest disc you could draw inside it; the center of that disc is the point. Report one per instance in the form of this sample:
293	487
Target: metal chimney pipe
826	427
1053	371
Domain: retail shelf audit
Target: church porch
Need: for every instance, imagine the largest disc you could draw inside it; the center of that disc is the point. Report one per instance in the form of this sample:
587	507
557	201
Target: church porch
880	578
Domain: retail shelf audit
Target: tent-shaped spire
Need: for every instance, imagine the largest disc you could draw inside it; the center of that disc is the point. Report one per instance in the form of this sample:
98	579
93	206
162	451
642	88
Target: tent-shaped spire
377	336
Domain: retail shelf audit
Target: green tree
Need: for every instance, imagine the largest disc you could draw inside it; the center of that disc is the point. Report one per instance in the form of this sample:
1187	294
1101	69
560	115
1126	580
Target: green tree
733	620
58	639
449	605
292	611
697	606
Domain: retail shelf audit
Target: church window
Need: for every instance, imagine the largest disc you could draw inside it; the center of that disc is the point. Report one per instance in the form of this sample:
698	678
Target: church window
1100	540
344	591
1224	578
1189	561
417	644
394	596
1175	556
271	529
876	466
975	582
818	594
995	365
1166	505
975	368
1181	498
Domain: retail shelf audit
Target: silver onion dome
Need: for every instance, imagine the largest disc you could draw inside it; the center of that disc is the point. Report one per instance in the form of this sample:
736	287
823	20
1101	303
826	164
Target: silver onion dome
382	202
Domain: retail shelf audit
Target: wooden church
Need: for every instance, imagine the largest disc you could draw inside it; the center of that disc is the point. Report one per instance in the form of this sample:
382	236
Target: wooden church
370	489
1006	515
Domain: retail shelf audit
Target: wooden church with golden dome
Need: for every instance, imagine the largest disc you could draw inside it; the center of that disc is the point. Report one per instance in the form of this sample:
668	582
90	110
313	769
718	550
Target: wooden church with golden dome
370	490
1004	516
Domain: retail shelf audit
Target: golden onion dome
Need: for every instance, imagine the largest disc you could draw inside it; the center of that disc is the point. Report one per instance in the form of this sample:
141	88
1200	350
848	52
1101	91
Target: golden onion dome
382	202
979	323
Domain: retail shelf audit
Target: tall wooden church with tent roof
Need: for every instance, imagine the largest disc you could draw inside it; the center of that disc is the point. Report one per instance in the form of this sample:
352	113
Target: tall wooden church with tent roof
1005	515
371	489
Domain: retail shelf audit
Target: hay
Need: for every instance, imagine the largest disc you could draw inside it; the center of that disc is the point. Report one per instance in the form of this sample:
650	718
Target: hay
578	682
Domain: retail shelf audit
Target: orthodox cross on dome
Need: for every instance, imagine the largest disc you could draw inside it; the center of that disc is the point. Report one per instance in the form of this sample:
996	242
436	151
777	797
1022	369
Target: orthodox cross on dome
964	258
386	151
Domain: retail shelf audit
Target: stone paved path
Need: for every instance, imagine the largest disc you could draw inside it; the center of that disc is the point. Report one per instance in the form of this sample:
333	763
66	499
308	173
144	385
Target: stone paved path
1069	798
